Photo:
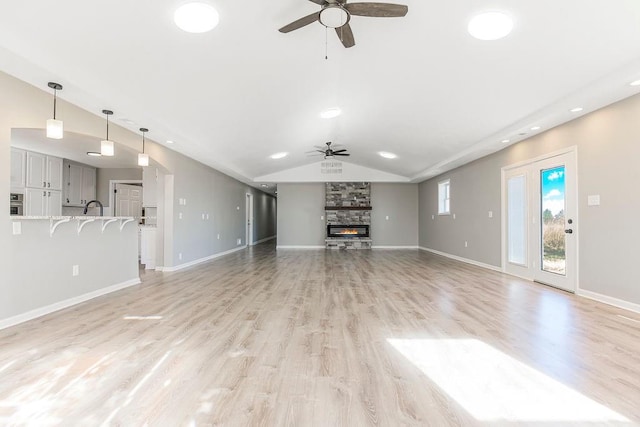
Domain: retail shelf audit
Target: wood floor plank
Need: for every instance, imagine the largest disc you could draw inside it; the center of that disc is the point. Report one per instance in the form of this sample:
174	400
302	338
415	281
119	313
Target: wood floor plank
310	338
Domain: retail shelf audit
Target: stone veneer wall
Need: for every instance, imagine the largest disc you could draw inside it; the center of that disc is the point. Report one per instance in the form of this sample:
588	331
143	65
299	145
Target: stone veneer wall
348	194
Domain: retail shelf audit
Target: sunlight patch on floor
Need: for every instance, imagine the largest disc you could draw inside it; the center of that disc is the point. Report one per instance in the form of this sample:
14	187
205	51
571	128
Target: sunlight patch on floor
493	386
142	318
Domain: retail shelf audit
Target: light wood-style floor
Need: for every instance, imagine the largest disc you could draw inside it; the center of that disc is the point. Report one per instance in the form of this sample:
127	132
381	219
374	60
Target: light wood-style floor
325	338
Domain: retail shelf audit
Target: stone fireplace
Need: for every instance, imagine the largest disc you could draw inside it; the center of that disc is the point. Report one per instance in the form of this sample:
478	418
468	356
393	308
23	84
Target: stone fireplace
348	213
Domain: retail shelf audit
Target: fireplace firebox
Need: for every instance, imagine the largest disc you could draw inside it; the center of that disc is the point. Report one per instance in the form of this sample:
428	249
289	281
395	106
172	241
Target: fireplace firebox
347	231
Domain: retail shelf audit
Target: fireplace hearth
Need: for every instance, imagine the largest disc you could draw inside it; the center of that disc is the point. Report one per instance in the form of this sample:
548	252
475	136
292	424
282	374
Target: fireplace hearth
348	231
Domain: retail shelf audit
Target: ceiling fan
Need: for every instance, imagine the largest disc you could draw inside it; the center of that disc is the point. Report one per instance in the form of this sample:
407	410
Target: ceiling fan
328	151
337	14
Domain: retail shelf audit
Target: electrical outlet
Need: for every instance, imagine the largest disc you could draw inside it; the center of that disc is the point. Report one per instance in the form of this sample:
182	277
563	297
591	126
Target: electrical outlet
218	236
75	270
179	215
454	216
17	228
237	207
239	241
321	217
184	202
180	256
203	216
490	214
466	244
433	217
207	216
387	217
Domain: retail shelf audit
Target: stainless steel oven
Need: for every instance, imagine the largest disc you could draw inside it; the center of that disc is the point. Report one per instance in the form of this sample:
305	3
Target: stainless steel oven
16	204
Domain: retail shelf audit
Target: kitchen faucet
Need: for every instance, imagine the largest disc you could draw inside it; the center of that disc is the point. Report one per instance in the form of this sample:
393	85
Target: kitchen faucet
97	202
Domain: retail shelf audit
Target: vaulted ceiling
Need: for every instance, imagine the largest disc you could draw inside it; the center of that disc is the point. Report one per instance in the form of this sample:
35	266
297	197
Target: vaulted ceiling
419	86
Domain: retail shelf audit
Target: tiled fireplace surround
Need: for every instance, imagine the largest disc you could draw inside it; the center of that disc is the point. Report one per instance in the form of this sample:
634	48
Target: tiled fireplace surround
348	203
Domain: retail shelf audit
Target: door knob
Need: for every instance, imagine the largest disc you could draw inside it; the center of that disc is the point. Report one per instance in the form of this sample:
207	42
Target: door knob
568	231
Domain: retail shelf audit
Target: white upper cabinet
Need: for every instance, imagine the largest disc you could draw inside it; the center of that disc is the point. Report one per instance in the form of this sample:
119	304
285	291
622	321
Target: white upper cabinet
36	170
44	171
18	170
79	184
54	173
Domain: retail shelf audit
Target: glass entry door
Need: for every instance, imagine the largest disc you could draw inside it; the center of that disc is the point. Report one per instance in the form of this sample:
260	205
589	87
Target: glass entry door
540	221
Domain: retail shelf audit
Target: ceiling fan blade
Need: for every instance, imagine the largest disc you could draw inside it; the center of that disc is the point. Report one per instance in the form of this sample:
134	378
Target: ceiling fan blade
346	35
339	151
380	10
320	2
300	23
341	154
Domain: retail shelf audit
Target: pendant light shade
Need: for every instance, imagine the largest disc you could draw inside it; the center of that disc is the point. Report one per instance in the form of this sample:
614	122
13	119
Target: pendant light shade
54	127
143	158
106	147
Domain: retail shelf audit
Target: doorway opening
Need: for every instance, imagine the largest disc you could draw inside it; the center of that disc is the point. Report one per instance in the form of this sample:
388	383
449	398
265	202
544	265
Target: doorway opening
249	220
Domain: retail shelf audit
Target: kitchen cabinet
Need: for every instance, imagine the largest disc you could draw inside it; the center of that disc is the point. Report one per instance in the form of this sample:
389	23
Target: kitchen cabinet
18	170
79	184
43	171
39	202
150	186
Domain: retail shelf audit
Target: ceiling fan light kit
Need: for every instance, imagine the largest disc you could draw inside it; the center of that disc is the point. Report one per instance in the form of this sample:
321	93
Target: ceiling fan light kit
337	14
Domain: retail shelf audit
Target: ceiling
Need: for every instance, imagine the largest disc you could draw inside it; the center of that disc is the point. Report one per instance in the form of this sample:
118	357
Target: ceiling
419	86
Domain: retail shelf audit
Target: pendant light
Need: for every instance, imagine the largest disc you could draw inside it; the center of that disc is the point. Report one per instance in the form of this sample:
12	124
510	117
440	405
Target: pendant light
106	146
143	158
54	127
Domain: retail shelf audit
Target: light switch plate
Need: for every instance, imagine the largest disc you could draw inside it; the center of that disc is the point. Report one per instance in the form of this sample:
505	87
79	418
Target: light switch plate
593	200
490	214
17	228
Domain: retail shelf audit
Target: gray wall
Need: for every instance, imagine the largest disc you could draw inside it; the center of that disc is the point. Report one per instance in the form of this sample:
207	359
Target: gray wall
400	203
300	207
608	153
104	175
474	192
264	215
206	190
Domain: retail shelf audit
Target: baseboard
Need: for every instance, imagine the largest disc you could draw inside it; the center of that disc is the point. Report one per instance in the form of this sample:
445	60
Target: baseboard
394	247
300	247
264	240
461	259
42	311
201	260
609	300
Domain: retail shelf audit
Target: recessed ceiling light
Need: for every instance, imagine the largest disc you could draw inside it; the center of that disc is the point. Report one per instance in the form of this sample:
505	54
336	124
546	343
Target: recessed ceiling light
576	110
278	155
490	26
129	122
387	155
635	83
504	141
93	154
169	142
196	17
264	185
331	113
535	128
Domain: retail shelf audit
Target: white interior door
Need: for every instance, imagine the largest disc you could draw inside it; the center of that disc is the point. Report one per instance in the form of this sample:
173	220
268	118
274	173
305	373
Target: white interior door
249	216
128	200
540	239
